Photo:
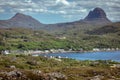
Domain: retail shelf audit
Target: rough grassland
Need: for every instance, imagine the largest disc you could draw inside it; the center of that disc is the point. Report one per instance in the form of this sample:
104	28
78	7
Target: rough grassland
19	67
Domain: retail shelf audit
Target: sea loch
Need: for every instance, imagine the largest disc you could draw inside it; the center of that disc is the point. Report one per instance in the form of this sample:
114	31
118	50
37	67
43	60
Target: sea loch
104	55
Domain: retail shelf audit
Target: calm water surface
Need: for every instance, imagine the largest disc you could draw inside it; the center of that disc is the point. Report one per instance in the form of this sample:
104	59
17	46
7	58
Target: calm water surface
109	55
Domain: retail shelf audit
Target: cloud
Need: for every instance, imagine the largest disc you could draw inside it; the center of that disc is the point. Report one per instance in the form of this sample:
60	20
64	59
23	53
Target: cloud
64	2
28	1
2	10
66	8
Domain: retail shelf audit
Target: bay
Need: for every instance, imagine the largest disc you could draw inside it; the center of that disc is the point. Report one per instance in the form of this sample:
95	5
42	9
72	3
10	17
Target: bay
103	55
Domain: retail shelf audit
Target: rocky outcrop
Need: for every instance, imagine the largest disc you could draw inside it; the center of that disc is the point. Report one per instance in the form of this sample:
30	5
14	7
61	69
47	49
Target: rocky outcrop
98	77
12	75
31	75
57	75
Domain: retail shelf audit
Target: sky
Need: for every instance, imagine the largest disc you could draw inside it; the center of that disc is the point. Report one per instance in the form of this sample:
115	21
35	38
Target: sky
58	11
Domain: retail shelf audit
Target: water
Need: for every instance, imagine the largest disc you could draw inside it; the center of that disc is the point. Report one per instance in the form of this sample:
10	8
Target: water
109	55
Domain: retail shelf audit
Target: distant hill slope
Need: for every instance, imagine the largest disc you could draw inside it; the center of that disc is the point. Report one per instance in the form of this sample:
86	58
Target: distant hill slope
21	20
112	28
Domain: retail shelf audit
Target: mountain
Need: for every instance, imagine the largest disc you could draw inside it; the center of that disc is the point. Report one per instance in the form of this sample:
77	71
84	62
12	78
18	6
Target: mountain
97	13
98	16
21	20
94	19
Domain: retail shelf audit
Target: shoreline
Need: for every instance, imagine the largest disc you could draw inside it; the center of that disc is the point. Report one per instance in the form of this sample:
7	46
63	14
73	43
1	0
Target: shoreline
66	55
31	52
75	51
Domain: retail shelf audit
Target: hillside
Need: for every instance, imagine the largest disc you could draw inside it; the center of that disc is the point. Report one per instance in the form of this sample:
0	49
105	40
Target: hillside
22	38
112	28
22	21
28	39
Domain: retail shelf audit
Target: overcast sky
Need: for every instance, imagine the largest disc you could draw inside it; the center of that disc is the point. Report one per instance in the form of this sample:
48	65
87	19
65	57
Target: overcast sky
55	11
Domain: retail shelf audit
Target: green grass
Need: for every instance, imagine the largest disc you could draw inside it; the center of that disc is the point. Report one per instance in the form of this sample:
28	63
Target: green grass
27	39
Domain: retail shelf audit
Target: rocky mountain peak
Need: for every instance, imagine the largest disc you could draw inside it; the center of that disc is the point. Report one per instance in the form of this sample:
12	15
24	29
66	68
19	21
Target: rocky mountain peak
20	16
97	13
97	16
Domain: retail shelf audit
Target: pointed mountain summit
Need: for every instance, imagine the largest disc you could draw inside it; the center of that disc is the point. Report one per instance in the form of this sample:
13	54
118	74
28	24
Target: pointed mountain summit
97	15
21	20
19	16
26	21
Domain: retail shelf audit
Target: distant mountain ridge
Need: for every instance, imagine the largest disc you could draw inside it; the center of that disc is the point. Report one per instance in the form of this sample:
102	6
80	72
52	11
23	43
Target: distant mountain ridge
21	20
97	17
